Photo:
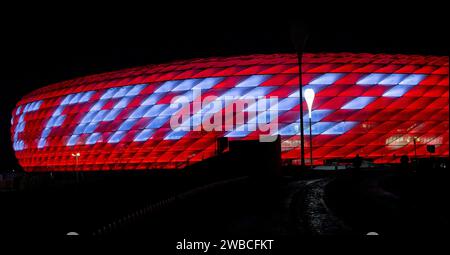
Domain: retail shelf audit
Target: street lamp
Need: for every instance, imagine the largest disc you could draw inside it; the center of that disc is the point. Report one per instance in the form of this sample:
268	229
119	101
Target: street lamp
309	97
299	35
76	155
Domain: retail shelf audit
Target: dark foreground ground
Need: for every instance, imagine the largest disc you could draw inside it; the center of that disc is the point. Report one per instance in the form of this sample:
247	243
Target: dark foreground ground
166	208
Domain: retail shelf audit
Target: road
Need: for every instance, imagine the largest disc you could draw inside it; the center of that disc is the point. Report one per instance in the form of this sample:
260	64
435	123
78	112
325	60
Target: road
281	207
249	207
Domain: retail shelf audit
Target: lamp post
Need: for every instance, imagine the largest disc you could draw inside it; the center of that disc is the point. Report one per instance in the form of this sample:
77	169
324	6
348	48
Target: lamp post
309	97
299	35
76	155
415	151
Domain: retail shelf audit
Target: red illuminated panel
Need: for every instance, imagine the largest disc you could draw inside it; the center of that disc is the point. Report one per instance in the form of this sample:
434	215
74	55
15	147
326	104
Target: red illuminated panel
371	105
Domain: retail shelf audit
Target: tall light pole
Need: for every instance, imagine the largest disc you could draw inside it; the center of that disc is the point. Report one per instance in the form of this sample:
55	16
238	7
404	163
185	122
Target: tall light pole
309	97
299	35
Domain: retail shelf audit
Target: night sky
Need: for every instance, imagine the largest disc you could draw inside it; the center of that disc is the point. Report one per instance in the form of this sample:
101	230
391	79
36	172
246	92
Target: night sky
37	52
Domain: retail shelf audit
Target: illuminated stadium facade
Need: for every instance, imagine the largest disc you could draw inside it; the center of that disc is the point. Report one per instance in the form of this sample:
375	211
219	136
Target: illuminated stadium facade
371	105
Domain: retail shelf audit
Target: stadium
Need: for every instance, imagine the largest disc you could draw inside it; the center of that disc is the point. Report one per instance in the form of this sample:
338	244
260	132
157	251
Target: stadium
378	106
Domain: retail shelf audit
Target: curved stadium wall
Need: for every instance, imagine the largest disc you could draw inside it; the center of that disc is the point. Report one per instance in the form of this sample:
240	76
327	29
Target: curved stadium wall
366	104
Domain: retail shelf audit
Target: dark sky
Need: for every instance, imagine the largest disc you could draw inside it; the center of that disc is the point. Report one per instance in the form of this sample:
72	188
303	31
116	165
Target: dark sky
39	51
